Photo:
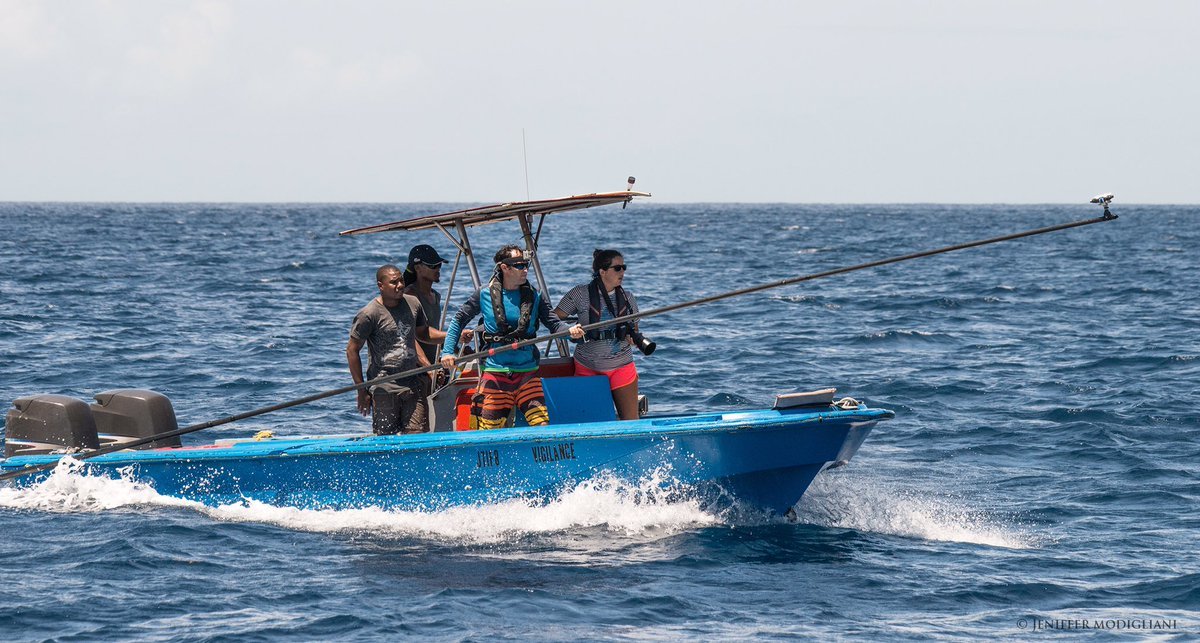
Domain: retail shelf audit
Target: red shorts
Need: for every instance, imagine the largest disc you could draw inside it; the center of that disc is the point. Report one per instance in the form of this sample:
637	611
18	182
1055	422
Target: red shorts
620	377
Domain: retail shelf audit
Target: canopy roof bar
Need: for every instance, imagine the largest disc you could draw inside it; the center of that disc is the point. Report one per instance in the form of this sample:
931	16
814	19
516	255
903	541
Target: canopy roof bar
502	212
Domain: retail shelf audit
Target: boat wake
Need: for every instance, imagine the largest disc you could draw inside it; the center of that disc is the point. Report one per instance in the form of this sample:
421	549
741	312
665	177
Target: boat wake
849	501
655	506
68	489
650	507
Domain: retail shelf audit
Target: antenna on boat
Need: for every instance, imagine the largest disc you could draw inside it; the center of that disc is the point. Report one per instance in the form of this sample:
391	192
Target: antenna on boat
525	155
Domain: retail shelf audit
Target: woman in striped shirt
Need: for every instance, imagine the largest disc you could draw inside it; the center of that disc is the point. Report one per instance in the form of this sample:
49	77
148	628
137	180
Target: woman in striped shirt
607	351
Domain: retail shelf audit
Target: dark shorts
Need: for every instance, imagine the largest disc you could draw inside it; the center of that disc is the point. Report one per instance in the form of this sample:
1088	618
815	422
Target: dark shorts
401	407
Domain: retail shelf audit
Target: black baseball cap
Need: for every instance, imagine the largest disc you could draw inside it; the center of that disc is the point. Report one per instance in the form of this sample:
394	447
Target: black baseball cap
425	254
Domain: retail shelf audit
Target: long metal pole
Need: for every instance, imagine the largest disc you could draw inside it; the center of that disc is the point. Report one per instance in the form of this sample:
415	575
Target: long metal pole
563	334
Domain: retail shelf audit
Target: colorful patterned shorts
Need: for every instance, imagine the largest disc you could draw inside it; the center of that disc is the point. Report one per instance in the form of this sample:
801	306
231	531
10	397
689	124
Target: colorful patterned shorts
500	392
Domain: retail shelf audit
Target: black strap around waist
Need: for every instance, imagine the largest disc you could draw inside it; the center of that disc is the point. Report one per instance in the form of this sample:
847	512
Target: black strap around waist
603	335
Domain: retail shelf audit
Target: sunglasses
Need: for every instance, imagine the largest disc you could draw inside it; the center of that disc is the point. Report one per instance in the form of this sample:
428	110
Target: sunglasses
620	268
517	265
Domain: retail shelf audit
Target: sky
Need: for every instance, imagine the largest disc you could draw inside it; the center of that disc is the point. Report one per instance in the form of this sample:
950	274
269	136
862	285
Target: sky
1048	101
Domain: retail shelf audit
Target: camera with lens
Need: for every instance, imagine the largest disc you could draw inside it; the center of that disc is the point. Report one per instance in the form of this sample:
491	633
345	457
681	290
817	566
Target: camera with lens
639	340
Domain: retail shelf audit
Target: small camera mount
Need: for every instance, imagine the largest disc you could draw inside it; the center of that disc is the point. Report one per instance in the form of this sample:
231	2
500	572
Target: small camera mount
1104	200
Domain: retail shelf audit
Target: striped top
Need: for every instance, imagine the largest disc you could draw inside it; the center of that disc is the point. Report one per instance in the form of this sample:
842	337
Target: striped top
600	355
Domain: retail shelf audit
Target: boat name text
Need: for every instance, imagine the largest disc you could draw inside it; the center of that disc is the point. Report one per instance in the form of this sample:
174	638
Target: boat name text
563	451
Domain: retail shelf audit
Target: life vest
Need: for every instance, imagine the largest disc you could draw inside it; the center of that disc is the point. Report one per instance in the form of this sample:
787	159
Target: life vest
505	332
619	308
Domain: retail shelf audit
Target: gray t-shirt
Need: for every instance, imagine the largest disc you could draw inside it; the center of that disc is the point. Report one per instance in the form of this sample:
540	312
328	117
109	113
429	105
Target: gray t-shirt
433	314
601	355
390	334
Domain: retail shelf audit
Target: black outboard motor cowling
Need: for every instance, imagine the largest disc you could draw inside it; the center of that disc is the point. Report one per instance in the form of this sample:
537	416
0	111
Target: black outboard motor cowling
48	424
125	415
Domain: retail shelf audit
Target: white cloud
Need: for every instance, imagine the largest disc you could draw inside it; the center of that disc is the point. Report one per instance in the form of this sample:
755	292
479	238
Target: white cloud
25	31
186	44
310	71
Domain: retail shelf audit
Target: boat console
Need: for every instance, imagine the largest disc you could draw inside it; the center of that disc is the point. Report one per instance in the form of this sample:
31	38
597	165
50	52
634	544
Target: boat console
569	399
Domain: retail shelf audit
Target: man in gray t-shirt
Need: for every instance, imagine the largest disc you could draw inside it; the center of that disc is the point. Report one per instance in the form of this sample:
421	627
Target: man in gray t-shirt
389	326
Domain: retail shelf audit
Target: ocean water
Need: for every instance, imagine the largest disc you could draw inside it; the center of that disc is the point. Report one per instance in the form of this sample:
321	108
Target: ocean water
1041	478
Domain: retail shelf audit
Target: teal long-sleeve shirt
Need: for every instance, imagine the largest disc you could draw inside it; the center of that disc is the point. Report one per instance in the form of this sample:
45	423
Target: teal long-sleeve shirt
521	360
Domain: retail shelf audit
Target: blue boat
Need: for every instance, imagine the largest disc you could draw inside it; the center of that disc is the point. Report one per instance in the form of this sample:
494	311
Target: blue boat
761	460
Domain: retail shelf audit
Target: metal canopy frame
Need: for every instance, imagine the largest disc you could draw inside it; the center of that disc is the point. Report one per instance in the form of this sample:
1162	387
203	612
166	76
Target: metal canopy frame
502	212
453	225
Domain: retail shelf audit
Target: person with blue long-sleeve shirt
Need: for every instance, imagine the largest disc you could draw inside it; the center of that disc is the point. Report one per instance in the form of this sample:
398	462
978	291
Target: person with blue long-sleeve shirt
512	311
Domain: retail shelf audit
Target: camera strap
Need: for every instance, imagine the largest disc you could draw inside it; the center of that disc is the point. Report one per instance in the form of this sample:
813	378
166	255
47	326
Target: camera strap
596	293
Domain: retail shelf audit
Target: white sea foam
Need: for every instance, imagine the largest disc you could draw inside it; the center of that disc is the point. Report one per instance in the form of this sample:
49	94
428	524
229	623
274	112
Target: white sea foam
859	503
601	502
68	489
651	507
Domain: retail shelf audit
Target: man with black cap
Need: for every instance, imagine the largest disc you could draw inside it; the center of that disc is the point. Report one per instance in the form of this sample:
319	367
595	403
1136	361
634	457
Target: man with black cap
425	269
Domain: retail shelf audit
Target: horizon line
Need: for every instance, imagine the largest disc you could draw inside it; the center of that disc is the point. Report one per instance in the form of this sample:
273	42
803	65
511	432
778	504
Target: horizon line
256	202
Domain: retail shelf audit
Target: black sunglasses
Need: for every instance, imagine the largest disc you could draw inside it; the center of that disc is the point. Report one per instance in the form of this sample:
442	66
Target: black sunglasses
517	265
620	268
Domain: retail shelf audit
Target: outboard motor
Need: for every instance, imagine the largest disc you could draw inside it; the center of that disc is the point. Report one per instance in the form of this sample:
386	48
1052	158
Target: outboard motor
125	415
48	424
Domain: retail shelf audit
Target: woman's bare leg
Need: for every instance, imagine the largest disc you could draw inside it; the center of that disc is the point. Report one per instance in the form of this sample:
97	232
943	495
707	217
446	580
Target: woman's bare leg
626	401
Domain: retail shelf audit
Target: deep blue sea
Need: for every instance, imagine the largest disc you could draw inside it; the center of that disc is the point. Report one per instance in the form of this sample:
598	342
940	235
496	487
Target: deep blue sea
1041	478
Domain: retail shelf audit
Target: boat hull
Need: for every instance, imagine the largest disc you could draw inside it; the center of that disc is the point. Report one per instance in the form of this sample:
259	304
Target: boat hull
759	459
